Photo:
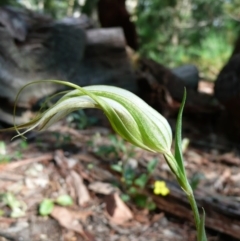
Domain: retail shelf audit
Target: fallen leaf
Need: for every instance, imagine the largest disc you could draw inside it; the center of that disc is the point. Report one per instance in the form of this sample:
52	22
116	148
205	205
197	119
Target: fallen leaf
235	178
61	162
37	182
157	217
229	158
70	220
117	210
219	184
82	193
102	188
142	218
70	187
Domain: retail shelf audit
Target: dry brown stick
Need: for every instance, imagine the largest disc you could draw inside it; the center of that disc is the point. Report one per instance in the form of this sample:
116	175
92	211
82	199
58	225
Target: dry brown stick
13	165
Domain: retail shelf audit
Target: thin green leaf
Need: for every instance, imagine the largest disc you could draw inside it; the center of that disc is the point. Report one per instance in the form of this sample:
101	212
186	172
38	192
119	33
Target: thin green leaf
201	229
178	136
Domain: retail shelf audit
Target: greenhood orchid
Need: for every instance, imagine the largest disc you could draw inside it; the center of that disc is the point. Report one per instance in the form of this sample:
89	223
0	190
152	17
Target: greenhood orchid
130	116
132	119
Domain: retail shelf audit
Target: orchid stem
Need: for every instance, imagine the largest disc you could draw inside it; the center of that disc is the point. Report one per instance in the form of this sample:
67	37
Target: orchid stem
184	184
196	214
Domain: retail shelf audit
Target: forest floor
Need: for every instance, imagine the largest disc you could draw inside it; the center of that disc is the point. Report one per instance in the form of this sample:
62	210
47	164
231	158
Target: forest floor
98	171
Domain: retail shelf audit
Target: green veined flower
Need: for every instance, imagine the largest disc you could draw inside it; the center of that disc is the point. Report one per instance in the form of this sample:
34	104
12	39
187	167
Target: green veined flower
130	116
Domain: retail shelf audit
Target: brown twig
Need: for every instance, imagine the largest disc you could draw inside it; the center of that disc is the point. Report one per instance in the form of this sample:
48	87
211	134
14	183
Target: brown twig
13	165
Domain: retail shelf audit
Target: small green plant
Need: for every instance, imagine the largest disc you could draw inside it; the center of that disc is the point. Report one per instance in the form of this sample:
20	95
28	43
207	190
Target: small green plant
47	205
61	139
5	157
133	119
134	183
23	144
78	119
114	148
18	208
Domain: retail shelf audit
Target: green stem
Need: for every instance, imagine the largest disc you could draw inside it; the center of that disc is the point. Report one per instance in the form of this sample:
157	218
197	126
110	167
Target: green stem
194	207
196	214
184	184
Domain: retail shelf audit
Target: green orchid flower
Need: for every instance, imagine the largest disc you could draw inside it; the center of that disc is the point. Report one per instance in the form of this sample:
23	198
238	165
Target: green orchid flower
132	118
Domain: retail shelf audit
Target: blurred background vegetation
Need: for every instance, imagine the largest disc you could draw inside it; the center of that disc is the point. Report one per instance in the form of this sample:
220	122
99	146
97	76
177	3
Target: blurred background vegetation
171	32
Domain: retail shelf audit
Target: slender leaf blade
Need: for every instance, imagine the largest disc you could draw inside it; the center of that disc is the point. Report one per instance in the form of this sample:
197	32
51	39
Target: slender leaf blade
201	229
178	136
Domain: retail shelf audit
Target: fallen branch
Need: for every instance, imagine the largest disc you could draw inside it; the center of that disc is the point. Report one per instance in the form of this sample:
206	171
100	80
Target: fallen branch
222	213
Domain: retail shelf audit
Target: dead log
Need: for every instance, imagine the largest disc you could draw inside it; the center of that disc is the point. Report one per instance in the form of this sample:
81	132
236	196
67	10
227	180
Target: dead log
106	56
222	213
160	87
35	47
227	91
